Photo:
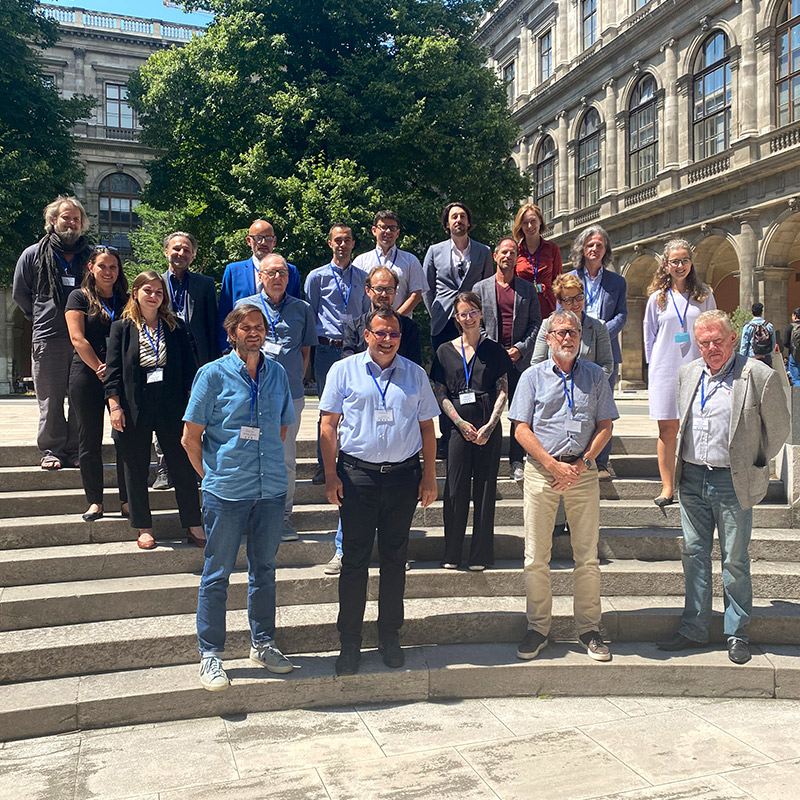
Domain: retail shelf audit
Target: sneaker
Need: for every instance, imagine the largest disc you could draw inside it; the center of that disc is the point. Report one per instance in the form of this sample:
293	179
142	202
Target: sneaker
389	648
289	534
595	646
334	566
348	659
163	480
476	568
212	676
268	655
319	477
603	474
517	471
533	644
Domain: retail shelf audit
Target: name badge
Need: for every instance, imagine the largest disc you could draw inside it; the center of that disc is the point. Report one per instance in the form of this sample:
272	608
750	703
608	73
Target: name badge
681	338
465	398
384	415
700	424
539	287
272	348
249	433
155	375
68	280
573	426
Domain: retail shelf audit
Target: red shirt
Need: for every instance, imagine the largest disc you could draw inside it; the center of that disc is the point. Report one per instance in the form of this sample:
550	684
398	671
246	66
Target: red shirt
505	313
548	269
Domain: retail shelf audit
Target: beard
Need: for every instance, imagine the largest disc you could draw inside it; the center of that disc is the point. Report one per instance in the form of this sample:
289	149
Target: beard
69	236
560	352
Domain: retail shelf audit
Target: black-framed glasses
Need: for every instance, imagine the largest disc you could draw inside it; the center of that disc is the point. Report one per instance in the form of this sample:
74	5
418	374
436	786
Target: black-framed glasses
568	301
562	334
382	289
679	262
259	238
391	335
391	228
276	273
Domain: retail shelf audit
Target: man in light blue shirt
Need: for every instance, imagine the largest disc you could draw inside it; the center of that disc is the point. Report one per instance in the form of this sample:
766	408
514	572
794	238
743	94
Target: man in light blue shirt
383	408
336	294
755	343
238	413
290	335
564	409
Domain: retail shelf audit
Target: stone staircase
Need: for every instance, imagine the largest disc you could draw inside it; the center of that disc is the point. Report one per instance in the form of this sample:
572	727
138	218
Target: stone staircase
94	632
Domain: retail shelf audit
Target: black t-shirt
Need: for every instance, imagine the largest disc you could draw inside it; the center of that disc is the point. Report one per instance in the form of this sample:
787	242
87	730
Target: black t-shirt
97	327
490	362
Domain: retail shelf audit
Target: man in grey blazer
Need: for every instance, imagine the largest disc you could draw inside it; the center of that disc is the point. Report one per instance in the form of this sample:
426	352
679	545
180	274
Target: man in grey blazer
512	317
734	419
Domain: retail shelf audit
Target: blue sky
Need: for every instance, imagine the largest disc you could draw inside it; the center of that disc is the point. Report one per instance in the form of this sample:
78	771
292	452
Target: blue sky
149	9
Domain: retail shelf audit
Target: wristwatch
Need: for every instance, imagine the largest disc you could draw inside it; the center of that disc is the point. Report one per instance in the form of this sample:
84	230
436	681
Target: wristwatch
588	463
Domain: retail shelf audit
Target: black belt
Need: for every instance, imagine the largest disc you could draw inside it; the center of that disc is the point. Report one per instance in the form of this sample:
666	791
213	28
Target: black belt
409	463
568	459
330	342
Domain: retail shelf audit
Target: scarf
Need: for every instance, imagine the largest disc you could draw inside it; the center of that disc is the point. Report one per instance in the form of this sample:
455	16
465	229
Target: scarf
49	283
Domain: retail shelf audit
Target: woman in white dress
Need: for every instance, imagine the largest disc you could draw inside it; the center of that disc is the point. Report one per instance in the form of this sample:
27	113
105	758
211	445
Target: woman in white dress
677	297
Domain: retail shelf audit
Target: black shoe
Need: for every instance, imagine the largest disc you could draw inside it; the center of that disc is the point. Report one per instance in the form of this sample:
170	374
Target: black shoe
92	516
319	477
738	651
441	450
680	642
348	659
530	647
391	651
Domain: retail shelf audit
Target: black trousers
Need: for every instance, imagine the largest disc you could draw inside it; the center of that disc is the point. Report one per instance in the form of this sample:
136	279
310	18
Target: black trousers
475	465
87	403
516	452
373	502
134	442
447	334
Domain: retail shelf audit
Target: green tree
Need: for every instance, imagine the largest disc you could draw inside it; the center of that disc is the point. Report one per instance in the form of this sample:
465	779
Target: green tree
38	159
308	111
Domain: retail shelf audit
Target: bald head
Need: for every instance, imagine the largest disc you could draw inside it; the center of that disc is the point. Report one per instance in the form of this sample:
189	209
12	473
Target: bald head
261	238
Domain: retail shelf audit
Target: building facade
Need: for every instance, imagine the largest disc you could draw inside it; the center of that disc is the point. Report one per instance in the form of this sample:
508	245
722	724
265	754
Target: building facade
663	119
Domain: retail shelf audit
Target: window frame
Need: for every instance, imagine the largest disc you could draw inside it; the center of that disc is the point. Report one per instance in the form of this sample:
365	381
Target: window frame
118	103
789	25
637	108
545	201
544	74
510	83
116	232
704	143
588	23
589	179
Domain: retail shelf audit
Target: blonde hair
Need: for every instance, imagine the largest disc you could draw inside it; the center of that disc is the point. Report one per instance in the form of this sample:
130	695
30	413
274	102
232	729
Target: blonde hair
662	280
133	312
516	228
564	282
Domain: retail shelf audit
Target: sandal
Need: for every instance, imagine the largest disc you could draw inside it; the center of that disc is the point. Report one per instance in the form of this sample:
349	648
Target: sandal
146	541
51	463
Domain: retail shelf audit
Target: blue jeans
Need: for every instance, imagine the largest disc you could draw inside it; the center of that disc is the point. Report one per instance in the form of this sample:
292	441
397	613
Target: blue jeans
794	371
707	500
225	521
325	357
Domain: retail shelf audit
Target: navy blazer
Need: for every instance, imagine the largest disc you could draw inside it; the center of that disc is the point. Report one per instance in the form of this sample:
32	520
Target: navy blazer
201	314
527	316
613	305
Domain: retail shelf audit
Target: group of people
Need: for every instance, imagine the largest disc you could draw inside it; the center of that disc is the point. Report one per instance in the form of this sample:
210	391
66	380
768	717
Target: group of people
507	327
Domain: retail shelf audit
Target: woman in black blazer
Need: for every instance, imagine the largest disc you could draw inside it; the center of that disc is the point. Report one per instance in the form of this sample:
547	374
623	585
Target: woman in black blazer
149	371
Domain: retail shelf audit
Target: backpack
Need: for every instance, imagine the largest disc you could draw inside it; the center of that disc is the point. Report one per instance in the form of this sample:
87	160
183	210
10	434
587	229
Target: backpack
762	339
795	342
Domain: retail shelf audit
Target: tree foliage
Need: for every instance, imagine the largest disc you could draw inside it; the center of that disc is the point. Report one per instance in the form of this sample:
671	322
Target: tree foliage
38	159
309	111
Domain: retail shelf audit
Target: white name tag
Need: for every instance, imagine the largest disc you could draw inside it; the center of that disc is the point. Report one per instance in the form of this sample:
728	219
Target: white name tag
272	348
68	280
465	398
384	415
155	375
249	433
700	424
573	426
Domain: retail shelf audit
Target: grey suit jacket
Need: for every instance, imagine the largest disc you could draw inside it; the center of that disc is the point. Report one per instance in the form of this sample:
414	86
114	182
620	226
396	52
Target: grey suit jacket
595	344
527	316
444	282
759	423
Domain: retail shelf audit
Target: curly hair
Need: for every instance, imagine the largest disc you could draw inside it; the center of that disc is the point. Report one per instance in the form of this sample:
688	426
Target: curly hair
662	280
576	251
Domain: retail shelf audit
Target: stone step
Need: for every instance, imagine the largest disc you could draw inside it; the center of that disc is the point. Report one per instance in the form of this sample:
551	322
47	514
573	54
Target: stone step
77	602
440	672
109	646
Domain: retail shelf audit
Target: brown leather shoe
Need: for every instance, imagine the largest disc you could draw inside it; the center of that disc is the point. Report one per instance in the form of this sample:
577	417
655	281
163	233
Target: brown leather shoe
146	541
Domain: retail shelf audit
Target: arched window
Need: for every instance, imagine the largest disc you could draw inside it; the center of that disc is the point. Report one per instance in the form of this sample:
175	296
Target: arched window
643	130
589	159
712	98
788	52
119	196
545	188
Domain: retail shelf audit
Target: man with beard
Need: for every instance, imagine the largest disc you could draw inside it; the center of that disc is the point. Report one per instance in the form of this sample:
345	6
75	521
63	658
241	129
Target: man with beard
563	409
45	274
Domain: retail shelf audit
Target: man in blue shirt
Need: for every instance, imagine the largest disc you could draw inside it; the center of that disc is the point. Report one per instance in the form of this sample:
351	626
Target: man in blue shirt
758	337
290	335
336	293
383	408
564	409
238	413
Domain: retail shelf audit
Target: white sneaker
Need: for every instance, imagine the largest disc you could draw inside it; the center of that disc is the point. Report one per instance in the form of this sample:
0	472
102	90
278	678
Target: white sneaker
288	534
267	655
517	471
334	566
212	676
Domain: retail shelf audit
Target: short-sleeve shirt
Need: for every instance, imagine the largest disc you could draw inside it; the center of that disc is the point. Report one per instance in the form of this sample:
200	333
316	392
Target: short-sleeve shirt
410	275
96	328
489	364
353	389
223	402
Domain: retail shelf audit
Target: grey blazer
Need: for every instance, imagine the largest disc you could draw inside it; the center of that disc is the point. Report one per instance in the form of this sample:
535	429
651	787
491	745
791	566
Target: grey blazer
444	282
527	316
595	344
759	423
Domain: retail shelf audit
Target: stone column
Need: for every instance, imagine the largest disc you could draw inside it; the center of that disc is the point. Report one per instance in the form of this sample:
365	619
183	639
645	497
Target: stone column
683	126
623	178
609	158
631	341
668	126
747	94
524	154
562	54
765	76
747	246
524	77
772	289
562	165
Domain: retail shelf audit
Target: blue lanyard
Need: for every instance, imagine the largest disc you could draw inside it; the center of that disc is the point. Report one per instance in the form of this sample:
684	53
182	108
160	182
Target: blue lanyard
378	386
253	394
378	255
590	298
273	324
681	319
65	264
530	260
468	372
157	344
345	297
178	299
570	395
112	312
704	398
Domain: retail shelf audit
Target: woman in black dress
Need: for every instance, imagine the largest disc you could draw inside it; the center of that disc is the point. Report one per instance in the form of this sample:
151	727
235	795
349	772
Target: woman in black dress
90	311
470	376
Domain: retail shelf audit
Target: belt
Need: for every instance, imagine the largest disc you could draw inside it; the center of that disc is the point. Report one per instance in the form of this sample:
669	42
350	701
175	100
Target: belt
706	466
409	463
567	459
330	342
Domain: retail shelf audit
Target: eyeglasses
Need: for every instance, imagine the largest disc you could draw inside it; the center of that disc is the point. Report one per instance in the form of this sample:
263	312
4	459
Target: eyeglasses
382	289
468	314
679	262
562	334
568	301
276	273
382	335
391	228
707	344
259	238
